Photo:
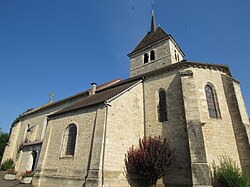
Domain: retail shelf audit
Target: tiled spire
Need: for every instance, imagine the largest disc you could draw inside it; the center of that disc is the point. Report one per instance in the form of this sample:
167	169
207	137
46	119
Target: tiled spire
153	23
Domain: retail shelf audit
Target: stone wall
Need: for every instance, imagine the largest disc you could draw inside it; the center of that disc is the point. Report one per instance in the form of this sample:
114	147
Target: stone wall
31	128
218	132
125	125
175	128
200	174
241	130
164	55
11	148
55	168
174	50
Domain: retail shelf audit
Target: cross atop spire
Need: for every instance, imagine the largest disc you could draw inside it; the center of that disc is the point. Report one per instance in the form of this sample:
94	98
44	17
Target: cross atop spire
52	95
153	23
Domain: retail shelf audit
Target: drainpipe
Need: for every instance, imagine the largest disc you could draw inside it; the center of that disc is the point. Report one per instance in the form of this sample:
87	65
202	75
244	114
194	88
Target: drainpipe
144	105
104	141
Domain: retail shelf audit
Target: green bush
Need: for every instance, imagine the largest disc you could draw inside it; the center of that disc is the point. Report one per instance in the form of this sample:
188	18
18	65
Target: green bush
228	174
7	164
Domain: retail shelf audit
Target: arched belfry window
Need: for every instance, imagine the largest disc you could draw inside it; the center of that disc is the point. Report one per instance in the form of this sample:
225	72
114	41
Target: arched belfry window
212	102
69	140
162	107
152	55
145	58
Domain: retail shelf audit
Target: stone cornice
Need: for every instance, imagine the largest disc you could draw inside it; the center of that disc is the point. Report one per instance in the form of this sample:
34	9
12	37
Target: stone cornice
185	64
32	143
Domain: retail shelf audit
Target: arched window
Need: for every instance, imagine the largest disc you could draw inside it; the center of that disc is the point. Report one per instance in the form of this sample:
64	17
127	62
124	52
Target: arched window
152	55
162	107
69	140
145	58
211	102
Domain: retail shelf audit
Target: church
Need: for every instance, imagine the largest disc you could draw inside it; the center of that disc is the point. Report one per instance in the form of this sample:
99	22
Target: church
82	140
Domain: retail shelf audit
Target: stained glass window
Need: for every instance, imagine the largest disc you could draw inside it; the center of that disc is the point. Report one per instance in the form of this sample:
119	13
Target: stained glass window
211	102
162	107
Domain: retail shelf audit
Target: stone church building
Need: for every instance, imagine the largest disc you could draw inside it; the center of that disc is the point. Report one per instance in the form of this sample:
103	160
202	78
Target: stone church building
82	140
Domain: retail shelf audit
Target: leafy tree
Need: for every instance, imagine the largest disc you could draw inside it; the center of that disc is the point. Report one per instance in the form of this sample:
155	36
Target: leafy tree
4	137
228	174
152	159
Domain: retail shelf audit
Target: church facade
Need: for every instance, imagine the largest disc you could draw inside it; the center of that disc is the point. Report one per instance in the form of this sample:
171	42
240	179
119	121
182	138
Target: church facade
82	140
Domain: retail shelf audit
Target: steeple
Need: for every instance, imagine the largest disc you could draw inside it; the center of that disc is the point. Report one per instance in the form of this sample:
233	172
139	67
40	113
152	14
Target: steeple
156	50
153	23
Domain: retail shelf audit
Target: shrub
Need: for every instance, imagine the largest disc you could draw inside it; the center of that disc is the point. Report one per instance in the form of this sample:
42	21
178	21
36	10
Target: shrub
4	137
152	159
7	164
228	174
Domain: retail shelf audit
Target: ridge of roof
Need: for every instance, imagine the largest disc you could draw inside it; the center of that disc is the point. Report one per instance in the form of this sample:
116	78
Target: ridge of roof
70	98
150	38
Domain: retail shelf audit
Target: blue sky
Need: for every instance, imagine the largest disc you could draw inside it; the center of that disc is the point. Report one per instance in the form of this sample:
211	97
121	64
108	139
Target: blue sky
62	46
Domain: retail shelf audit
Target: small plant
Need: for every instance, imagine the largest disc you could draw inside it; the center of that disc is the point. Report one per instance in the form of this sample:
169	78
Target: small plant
7	164
11	171
152	159
28	174
228	174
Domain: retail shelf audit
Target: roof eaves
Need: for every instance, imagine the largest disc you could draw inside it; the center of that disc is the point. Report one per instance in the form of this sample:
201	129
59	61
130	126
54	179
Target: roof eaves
58	113
65	110
124	91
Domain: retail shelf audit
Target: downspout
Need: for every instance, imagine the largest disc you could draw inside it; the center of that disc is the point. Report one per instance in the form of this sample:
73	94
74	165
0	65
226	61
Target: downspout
106	103
91	149
144	105
104	140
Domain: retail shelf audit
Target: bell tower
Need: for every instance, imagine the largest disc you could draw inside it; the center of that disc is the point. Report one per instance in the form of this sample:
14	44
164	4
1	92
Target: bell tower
157	49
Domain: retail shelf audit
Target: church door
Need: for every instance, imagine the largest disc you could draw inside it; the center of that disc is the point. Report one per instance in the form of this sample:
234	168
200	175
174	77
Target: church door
34	163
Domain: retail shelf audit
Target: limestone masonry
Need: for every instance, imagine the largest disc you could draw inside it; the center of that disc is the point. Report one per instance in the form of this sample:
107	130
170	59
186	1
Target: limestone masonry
81	140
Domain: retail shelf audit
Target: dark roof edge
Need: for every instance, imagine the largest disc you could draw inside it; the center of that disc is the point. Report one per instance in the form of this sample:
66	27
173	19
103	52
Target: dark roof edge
58	113
101	102
148	46
124	91
169	36
186	64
